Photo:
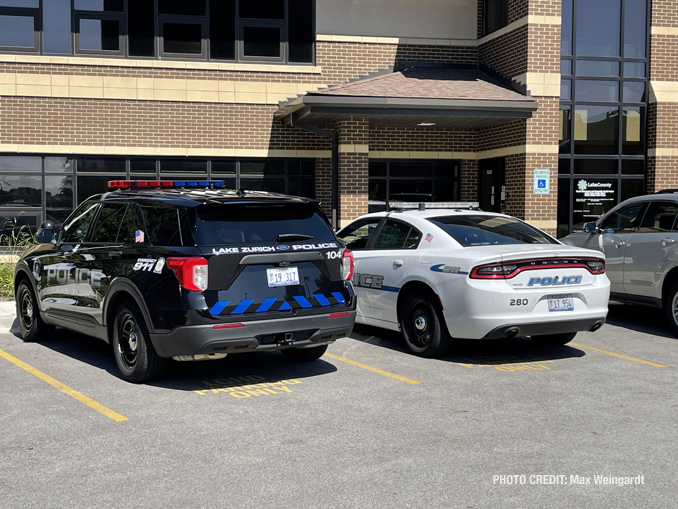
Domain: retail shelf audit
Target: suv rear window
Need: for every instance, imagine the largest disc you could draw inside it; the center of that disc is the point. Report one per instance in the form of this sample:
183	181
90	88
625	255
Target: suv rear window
478	230
217	225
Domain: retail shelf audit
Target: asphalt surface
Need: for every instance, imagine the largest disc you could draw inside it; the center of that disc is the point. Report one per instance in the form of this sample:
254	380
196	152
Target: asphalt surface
338	434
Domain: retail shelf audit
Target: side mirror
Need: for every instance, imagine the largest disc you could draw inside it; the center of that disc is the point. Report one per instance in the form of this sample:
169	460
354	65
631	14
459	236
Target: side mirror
590	227
45	234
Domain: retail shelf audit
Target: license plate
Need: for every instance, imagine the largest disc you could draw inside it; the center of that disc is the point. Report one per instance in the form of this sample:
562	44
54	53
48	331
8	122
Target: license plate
561	303
284	276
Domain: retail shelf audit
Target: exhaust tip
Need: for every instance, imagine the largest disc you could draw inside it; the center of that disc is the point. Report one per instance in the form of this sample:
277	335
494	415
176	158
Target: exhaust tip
512	332
596	326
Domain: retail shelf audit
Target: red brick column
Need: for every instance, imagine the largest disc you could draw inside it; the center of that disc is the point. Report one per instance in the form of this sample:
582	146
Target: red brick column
353	168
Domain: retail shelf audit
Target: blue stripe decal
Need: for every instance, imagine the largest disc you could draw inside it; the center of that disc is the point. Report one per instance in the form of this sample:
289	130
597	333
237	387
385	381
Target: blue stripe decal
322	299
219	307
390	289
242	307
266	305
285	307
303	301
339	297
461	272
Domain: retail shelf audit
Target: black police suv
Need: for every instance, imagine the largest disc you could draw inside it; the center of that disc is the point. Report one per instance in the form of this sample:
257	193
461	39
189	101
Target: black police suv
189	271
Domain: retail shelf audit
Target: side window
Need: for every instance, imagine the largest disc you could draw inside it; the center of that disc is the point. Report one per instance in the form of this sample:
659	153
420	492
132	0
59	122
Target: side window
132	225
659	217
108	223
162	226
75	230
393	235
357	235
625	219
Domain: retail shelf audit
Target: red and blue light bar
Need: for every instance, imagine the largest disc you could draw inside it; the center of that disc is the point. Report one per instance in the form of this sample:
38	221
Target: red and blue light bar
141	184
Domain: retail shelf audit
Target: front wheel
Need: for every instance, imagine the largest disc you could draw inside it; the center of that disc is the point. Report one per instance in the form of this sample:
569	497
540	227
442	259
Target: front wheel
31	325
554	339
422	324
135	356
304	354
671	307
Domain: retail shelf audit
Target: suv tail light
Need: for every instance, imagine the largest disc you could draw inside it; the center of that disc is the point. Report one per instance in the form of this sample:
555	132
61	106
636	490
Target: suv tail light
191	272
347	264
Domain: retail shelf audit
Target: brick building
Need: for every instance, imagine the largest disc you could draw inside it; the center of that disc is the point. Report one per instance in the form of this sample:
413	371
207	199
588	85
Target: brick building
349	102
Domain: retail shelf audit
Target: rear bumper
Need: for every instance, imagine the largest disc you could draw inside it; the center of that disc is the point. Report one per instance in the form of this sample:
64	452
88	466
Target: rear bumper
538	329
261	335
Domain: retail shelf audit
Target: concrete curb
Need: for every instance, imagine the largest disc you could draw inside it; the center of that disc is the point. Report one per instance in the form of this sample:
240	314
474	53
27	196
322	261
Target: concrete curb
8	317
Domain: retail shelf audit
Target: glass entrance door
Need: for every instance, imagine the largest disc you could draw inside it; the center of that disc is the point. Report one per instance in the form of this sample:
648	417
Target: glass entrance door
492	185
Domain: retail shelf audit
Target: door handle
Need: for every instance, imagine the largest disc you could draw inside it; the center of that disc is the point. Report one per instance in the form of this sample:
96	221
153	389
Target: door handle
668	241
397	263
618	244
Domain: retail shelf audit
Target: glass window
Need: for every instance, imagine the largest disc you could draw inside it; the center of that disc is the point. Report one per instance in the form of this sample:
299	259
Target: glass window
20	3
89	186
602	68
141	28
162	225
564	205
59	164
634	69
495	15
99	34
223	167
566	67
633	167
564	128
17	31
19	163
75	230
596	130
566	90
624	219
566	28
633	132
660	216
222	29
597	91
146	166
102	165
634	91
300	31
131	224
182	7
410	170
377	192
377	169
298	186
394	235
262	9
595	166
358	234
56	26
635	26
100	5
598	30
183	166
261	41
263	168
108	223
185	38
20	191
17	227
631	188
58	197
481	230
564	166
270	185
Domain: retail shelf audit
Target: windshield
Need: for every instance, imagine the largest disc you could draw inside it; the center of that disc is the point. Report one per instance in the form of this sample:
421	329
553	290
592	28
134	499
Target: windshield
217	225
479	230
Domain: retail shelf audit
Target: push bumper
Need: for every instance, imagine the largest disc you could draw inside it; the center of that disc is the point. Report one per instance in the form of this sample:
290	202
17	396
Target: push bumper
263	335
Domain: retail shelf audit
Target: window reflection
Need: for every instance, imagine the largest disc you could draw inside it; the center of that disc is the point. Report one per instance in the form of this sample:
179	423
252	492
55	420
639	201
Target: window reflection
20	191
598	26
596	130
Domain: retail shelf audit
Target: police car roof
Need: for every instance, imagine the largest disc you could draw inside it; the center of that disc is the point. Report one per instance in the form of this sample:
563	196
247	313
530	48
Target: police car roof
198	196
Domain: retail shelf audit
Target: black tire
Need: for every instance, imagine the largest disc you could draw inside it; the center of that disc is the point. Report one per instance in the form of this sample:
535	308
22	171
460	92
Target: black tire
422	324
554	339
31	325
304	354
671	308
135	356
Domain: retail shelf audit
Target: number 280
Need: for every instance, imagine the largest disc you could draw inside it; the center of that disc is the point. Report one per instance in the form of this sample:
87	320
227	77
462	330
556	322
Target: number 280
518	302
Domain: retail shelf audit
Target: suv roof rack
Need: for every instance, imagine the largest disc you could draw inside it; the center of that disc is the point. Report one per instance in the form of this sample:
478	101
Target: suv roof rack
667	191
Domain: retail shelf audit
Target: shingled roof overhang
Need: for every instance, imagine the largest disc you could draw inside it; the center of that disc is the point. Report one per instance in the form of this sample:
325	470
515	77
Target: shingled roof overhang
448	98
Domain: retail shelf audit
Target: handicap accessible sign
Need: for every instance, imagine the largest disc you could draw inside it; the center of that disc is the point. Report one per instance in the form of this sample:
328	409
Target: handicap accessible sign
542	181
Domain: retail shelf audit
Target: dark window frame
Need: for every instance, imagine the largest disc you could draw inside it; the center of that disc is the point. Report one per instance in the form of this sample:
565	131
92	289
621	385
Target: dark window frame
203	21
77	16
36	14
261	23
503	19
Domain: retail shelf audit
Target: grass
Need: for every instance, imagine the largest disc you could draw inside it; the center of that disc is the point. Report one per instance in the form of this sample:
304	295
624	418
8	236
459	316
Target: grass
17	242
6	280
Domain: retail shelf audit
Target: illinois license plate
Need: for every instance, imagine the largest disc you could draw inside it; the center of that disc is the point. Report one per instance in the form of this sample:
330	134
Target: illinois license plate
284	276
561	303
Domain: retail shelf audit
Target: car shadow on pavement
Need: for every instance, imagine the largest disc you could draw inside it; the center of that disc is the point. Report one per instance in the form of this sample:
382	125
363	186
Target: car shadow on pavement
240	369
467	351
645	319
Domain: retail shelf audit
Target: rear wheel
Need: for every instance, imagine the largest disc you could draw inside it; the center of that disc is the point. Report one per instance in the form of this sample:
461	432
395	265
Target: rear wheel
422	324
554	339
31	325
135	356
671	307
304	354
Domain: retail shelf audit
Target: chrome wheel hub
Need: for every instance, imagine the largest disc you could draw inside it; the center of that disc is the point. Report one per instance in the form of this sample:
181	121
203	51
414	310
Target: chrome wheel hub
29	310
420	323
133	339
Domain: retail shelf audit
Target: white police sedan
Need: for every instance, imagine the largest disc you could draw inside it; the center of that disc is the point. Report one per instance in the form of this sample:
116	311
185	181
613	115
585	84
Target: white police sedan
450	271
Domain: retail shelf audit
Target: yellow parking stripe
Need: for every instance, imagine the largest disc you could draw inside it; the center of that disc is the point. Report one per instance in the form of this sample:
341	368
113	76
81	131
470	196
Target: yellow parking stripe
619	355
370	368
65	388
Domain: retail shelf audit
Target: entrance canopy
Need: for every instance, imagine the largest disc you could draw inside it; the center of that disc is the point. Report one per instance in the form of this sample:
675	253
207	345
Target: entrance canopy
441	98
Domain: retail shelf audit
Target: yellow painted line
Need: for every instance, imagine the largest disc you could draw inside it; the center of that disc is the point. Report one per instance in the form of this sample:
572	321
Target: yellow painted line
370	368
619	355
65	388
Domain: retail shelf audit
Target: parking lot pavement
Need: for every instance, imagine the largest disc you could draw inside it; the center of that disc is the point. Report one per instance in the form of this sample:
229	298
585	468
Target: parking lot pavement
489	425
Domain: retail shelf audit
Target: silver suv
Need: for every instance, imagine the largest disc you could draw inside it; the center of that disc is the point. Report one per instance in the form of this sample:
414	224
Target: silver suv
639	238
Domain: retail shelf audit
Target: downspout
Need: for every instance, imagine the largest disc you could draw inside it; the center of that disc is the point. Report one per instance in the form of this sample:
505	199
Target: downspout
334	204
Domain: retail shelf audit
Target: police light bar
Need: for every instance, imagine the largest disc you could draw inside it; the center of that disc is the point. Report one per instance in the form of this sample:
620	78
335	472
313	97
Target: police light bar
143	184
425	205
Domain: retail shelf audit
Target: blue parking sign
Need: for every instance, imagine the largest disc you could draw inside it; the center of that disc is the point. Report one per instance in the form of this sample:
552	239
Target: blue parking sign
541	183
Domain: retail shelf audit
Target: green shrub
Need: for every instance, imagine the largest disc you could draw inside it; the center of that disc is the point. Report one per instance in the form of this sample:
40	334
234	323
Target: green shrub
11	248
6	279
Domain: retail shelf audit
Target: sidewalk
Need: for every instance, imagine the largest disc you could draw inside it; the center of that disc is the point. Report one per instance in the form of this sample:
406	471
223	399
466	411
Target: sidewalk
7	316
